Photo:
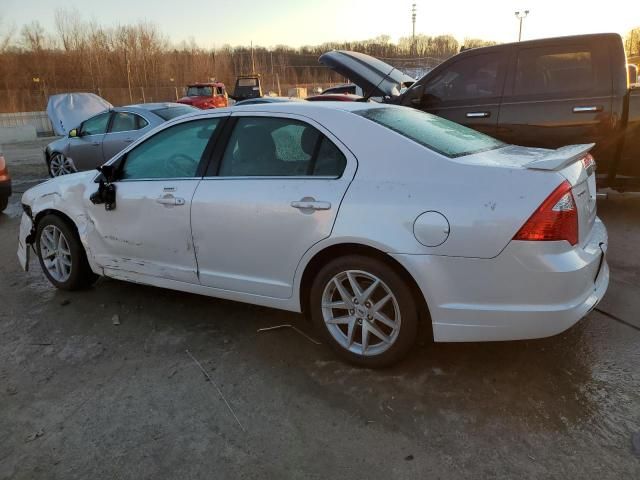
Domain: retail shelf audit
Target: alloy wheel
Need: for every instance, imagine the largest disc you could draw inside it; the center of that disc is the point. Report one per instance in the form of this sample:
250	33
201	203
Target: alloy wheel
55	252
60	165
361	312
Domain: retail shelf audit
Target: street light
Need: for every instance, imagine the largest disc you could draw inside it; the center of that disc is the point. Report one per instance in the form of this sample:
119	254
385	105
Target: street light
520	15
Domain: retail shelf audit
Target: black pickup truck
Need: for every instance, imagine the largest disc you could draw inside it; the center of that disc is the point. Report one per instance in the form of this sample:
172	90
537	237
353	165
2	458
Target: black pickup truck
541	93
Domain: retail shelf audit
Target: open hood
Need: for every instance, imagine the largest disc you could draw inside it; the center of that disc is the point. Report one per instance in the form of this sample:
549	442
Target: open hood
68	110
376	78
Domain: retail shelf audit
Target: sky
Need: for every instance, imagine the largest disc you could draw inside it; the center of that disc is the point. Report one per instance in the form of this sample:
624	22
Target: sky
213	23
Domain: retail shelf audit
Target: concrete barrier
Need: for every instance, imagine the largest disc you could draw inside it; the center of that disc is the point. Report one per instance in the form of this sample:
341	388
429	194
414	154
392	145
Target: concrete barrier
23	133
39	120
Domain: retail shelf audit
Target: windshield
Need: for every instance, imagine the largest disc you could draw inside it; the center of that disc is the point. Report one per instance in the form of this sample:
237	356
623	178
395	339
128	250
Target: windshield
168	113
443	136
200	92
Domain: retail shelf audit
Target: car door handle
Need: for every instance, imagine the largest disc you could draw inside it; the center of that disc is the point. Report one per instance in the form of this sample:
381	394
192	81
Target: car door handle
310	204
587	109
170	200
96	144
128	140
478	114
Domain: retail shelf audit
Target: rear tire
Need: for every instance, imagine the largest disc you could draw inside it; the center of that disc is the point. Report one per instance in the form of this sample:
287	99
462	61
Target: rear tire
4	201
61	254
372	327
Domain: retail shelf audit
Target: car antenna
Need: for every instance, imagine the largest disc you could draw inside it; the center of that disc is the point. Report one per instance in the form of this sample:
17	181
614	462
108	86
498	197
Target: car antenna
370	94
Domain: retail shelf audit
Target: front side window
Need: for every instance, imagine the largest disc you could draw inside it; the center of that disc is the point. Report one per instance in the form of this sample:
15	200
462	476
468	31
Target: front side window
261	146
125	121
549	70
172	153
443	136
469	78
96	125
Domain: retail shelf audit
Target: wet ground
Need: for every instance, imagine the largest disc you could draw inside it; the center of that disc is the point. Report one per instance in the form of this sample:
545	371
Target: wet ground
81	397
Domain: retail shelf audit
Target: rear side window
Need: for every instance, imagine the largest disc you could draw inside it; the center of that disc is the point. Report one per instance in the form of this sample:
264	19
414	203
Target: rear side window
555	70
436	133
280	147
125	121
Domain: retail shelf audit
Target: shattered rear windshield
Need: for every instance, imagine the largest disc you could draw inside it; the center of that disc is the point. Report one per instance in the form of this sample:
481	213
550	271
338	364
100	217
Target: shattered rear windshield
168	113
436	133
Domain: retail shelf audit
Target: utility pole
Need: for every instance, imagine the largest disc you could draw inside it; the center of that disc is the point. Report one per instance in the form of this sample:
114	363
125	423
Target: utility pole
273	84
253	65
520	15
413	35
126	56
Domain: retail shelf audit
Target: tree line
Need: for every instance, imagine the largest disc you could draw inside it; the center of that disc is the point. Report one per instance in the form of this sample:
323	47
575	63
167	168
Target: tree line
83	55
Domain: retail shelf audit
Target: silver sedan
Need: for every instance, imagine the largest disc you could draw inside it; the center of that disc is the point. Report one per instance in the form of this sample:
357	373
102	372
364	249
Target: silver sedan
100	137
368	218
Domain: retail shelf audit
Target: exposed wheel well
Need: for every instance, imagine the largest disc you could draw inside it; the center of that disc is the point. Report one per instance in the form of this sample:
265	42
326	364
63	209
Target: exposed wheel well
40	215
335	251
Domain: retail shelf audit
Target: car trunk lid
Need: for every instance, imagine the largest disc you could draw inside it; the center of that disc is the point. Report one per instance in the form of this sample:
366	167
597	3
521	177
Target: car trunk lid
573	162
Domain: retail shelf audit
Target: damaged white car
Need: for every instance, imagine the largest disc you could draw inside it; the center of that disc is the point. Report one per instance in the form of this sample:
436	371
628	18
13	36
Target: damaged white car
368	218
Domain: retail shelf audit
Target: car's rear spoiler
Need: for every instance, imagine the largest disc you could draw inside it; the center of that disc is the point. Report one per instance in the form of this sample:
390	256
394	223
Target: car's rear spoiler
561	157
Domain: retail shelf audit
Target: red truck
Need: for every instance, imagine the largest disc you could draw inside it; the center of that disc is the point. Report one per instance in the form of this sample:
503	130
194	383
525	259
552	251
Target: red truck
206	95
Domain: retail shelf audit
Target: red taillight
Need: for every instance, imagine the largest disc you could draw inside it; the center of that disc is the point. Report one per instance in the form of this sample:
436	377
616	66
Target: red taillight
555	219
4	174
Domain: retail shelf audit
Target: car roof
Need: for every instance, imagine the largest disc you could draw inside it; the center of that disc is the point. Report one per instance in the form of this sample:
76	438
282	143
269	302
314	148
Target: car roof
300	108
544	41
146	107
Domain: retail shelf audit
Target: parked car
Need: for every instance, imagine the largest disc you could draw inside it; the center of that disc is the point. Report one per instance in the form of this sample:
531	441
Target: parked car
335	97
375	78
540	93
100	137
206	95
261	100
369	218
5	183
349	88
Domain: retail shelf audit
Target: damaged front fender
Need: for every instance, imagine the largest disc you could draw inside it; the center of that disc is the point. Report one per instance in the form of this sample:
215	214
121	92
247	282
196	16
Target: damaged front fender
63	196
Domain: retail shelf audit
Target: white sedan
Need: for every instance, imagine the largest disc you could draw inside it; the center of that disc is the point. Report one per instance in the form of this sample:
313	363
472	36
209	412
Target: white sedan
370	219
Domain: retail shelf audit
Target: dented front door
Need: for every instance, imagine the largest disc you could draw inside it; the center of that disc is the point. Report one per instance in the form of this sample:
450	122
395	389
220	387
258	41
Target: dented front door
149	231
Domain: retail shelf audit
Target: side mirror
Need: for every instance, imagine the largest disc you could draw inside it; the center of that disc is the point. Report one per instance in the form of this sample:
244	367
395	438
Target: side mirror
109	172
106	193
415	94
73	133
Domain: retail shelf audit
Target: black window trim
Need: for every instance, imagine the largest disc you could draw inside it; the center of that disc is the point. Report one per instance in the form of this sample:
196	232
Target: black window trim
213	168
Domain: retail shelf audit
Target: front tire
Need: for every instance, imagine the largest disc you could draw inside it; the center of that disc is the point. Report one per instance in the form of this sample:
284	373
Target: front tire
60	165
62	256
365	310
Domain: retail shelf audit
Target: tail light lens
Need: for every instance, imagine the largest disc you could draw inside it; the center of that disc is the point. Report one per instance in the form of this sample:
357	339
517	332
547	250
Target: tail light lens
4	174
589	163
555	219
